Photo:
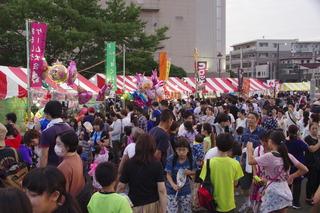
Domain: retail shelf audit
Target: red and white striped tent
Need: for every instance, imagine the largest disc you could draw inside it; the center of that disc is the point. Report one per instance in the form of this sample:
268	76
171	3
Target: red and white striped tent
226	85
13	83
173	84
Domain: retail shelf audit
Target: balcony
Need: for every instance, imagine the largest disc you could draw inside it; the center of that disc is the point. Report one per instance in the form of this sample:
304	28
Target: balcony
149	5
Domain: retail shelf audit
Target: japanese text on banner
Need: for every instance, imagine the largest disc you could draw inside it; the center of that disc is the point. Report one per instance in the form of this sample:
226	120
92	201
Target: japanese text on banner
37	44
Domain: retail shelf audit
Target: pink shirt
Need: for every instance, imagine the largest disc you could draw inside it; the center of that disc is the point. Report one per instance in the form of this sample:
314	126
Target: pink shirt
273	166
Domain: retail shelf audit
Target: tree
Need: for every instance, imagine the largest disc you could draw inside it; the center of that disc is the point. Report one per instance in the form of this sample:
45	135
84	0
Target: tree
78	30
232	74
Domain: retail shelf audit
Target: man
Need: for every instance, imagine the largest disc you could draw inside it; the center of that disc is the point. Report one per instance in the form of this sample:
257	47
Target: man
115	133
156	112
187	116
224	174
164	105
142	120
161	136
292	116
223	121
252	133
56	126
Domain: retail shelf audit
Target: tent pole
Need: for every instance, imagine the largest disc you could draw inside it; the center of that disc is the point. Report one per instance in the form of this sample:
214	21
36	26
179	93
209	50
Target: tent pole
29	98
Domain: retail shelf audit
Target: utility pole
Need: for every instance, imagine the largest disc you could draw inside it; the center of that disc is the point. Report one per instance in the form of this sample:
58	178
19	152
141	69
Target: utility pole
219	63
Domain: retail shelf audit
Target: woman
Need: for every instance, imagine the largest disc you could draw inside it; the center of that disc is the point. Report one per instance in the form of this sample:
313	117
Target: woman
312	162
71	165
14	200
46	189
26	149
145	178
297	148
241	120
276	163
209	116
99	136
13	137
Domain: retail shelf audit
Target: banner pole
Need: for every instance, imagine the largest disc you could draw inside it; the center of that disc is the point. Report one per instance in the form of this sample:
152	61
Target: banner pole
124	68
29	98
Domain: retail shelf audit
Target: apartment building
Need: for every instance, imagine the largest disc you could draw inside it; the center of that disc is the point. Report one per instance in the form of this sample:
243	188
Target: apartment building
259	58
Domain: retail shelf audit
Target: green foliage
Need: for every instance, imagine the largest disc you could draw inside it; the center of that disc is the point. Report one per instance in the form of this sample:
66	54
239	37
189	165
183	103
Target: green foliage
77	31
232	74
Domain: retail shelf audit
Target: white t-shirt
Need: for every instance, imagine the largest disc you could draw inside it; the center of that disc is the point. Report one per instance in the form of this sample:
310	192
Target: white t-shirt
241	123
213	152
130	150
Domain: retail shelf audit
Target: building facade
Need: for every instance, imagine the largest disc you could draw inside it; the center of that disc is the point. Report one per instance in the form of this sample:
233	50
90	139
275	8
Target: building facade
193	24
259	58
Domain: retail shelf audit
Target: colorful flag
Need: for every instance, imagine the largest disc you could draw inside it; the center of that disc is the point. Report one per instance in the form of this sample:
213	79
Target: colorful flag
111	66
164	66
37	44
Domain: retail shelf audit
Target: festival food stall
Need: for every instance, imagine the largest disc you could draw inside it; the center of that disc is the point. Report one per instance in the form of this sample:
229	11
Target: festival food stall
301	86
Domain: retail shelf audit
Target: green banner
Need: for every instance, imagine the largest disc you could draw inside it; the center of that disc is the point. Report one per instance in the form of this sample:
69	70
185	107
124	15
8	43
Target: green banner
111	66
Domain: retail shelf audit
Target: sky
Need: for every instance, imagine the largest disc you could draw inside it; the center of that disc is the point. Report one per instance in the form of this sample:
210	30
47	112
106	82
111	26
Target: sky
284	19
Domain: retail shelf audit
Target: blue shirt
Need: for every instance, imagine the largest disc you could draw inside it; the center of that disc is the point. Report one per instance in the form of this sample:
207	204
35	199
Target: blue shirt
253	136
173	170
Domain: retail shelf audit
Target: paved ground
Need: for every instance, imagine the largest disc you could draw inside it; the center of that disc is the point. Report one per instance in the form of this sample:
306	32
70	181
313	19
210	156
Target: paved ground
305	208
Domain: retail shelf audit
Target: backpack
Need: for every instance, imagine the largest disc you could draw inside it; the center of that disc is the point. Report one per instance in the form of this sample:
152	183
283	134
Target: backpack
205	192
13	176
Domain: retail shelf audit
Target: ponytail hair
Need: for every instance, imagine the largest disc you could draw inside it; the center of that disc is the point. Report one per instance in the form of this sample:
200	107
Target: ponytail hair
278	138
207	127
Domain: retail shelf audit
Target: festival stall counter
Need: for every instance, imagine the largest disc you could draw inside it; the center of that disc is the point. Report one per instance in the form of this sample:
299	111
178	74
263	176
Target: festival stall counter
301	86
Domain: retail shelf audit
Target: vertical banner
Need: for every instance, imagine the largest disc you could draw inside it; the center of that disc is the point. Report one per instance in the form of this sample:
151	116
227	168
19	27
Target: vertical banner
163	66
168	69
202	68
111	67
37	44
246	86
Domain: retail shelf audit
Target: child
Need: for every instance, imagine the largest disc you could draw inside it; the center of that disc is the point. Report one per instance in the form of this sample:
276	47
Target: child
85	153
106	200
101	155
209	142
179	196
198	156
224	173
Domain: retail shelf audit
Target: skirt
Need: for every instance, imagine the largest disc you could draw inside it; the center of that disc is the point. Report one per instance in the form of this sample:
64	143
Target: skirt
148	208
277	196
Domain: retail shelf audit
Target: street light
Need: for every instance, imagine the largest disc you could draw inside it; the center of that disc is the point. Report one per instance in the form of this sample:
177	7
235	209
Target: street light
219	65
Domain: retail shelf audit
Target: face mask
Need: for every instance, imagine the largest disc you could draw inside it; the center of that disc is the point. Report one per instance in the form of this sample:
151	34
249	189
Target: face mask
59	151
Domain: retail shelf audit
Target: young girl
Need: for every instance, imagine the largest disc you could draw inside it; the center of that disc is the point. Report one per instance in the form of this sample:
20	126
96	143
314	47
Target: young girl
180	197
101	155
277	195
209	141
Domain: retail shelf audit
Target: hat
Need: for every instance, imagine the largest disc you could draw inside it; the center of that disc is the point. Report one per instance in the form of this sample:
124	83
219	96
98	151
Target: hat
3	132
91	110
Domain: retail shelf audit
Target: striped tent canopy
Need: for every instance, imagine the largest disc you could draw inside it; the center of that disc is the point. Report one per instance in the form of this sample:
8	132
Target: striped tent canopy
13	83
226	85
302	86
173	84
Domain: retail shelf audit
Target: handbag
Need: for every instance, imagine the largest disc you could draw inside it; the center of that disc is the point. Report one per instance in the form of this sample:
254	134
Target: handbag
205	192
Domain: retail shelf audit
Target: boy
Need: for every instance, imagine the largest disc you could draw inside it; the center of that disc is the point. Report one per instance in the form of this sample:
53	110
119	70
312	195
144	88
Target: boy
107	200
224	174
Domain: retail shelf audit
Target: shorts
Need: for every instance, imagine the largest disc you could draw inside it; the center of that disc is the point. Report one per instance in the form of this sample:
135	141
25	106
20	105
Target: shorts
246	181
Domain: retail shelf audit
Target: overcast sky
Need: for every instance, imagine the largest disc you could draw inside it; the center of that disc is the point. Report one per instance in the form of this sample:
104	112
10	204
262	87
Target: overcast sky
286	19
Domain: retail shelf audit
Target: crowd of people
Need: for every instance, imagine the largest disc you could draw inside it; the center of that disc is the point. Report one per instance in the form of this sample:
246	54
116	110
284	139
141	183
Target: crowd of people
154	159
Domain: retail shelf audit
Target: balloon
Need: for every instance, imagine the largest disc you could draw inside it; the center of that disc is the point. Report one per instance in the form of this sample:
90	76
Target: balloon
160	92
84	97
58	73
102	93
154	77
39	115
45	84
146	84
151	94
72	73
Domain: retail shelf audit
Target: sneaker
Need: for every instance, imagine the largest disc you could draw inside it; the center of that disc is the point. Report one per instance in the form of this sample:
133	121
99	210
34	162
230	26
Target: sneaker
296	207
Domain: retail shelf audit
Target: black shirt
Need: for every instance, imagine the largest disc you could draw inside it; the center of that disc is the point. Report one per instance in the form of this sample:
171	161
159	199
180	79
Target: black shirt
142	180
162	139
312	158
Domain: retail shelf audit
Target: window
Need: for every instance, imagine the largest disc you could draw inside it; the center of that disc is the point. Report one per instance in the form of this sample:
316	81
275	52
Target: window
259	74
302	61
308	61
275	45
263	44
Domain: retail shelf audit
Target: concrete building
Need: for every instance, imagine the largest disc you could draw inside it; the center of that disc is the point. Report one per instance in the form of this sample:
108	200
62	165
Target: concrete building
303	64
259	58
192	24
